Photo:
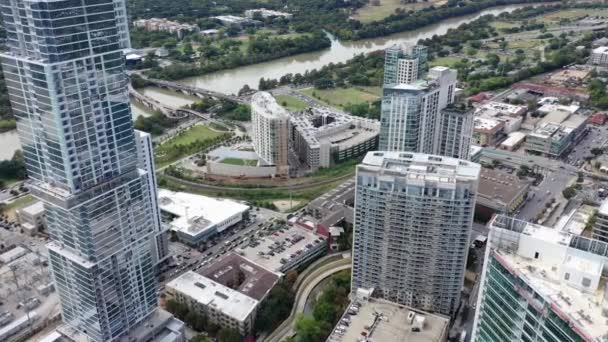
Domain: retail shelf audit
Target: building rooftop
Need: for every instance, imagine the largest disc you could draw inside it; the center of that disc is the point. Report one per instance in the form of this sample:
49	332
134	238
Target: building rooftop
386	321
422	166
275	250
514	139
576	221
265	104
33	209
195	214
601	49
493	108
238	273
326	126
564	269
499	186
486	124
211	293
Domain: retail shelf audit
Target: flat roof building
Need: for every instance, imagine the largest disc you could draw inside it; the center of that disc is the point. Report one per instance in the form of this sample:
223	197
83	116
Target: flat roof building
514	141
322	137
510	115
599	56
499	192
539	281
197	218
381	320
228	292
266	13
487	131
31	217
285	250
556	133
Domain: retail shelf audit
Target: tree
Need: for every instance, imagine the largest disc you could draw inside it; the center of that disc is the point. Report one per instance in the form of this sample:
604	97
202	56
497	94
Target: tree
310	330
199	338
596	151
229	335
569	192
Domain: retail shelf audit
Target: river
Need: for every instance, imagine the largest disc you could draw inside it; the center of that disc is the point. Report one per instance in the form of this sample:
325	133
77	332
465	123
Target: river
230	81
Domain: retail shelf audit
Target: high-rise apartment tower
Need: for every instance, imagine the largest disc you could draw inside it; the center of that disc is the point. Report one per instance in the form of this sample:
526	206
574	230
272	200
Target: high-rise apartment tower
67	83
270	131
413	217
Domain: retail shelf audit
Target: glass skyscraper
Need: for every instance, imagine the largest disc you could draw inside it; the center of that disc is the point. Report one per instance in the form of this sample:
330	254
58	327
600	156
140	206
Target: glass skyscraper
67	83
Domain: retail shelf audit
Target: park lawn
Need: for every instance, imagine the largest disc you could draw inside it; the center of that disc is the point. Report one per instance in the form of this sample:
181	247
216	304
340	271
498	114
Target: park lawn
197	132
524	44
572	14
240	162
503	25
340	97
448	61
291	103
369	12
10	209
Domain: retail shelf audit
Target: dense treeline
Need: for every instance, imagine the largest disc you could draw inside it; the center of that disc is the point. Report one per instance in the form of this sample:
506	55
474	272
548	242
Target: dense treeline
223	108
230	54
188	10
405	21
156	124
13	169
361	70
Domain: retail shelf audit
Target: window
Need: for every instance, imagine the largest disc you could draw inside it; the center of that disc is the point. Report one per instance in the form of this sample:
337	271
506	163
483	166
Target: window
567	276
536	255
586	282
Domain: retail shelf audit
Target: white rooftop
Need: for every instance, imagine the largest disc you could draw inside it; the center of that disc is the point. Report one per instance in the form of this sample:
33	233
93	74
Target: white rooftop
568	278
486	124
210	293
197	213
265	104
33	209
601	49
423	166
514	139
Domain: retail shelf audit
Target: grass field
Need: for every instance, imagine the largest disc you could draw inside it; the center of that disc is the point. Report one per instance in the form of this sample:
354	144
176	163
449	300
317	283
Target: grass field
503	24
240	162
340	97
291	103
10	208
447	61
572	14
198	132
369	12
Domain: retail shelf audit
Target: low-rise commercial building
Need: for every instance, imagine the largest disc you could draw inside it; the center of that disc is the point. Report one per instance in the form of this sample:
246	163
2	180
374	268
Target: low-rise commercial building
514	141
286	249
487	131
499	192
228	292
510	115
235	21
323	137
556	133
266	13
31	218
195	218
539	282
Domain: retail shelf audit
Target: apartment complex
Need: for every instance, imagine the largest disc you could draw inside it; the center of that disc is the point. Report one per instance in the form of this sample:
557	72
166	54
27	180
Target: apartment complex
166	25
413	217
228	292
270	131
68	88
322	137
541	284
413	102
556	133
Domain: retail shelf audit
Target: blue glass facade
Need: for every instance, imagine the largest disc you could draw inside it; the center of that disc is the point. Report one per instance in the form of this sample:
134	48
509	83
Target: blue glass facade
67	84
